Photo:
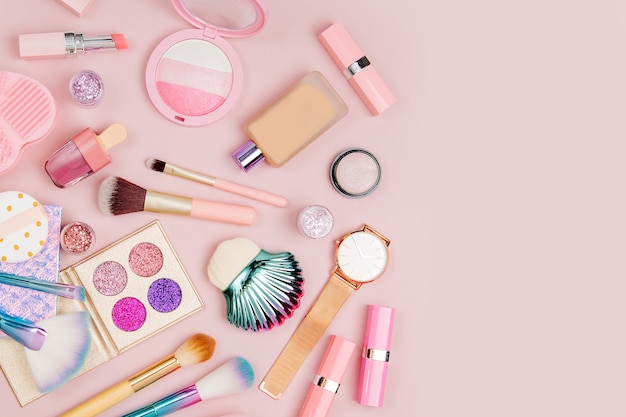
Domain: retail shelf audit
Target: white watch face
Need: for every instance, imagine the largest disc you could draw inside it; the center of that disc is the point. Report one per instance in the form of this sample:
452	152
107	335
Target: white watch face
362	256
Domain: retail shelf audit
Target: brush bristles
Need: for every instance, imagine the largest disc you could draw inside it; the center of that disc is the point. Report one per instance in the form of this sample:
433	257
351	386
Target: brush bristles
233	376
64	351
119	196
198	348
156	165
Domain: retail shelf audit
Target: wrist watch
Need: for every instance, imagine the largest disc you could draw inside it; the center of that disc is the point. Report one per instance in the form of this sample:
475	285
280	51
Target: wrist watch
361	257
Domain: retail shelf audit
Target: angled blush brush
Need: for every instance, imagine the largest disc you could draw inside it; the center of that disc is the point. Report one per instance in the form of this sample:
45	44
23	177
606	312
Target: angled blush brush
232	377
119	196
198	348
219	183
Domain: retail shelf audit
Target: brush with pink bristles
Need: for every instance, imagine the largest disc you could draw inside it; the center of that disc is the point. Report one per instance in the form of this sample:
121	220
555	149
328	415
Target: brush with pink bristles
119	196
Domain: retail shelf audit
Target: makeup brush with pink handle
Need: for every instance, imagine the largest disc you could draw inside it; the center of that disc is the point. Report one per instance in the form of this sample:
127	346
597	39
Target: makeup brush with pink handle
119	196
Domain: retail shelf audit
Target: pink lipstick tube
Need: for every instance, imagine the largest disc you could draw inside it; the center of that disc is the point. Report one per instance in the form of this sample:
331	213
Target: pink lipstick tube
328	379
359	71
375	358
63	44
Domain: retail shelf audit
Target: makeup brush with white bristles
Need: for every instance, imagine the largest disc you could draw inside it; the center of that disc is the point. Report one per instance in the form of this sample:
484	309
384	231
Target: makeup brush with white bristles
232	377
63	352
119	196
198	348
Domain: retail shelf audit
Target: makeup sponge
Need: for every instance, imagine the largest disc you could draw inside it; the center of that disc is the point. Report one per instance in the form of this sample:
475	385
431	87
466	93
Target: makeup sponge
262	289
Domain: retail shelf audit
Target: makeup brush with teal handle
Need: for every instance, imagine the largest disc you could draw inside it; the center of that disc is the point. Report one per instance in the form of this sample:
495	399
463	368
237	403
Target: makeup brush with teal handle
62	290
233	376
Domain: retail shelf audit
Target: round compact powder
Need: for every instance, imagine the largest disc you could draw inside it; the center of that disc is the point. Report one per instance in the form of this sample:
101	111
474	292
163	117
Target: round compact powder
87	88
194	77
145	259
355	173
110	278
164	295
129	314
315	221
77	237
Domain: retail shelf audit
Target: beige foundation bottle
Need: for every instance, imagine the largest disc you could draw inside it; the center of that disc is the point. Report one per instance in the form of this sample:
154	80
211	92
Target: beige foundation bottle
291	122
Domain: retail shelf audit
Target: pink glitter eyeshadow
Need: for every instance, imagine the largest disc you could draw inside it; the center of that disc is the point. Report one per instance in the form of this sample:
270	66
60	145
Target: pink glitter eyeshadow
145	259
129	314
110	278
77	237
87	88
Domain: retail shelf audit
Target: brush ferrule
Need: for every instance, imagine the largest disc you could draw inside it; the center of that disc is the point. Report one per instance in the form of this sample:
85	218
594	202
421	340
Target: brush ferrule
189	174
167	203
154	373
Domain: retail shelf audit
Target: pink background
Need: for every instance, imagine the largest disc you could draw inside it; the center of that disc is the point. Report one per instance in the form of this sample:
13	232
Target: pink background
502	193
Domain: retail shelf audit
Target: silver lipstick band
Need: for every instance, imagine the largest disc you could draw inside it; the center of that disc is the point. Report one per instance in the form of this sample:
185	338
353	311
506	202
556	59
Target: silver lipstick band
76	43
376	355
356	67
327	384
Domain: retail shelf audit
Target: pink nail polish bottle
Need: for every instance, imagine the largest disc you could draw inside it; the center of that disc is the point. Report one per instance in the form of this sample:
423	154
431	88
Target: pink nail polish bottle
328	379
375	359
83	155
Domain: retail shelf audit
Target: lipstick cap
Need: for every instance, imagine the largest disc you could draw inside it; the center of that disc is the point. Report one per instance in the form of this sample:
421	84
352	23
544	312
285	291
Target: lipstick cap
357	68
42	45
375	358
329	375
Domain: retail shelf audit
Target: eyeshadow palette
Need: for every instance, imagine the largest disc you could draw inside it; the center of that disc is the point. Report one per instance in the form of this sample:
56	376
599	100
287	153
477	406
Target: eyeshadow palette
135	288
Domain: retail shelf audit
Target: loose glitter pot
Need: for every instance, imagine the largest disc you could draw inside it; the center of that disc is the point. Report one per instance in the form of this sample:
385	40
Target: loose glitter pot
315	221
87	88
194	76
77	238
355	173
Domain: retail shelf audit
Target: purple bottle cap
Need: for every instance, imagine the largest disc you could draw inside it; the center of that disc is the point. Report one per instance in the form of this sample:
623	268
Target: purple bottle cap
248	156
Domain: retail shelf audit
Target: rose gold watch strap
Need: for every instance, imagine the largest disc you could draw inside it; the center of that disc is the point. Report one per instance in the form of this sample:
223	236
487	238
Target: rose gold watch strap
333	296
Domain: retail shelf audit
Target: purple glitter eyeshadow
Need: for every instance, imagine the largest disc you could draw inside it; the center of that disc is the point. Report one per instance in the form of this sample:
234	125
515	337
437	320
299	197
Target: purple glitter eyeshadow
164	295
145	259
110	278
129	314
87	88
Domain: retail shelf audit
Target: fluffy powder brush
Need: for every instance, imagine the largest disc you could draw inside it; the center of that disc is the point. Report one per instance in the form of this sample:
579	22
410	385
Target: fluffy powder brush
262	289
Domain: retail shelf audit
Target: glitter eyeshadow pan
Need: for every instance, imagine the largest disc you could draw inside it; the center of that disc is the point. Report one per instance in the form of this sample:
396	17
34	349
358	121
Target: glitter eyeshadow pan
110	278
145	259
164	295
129	314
